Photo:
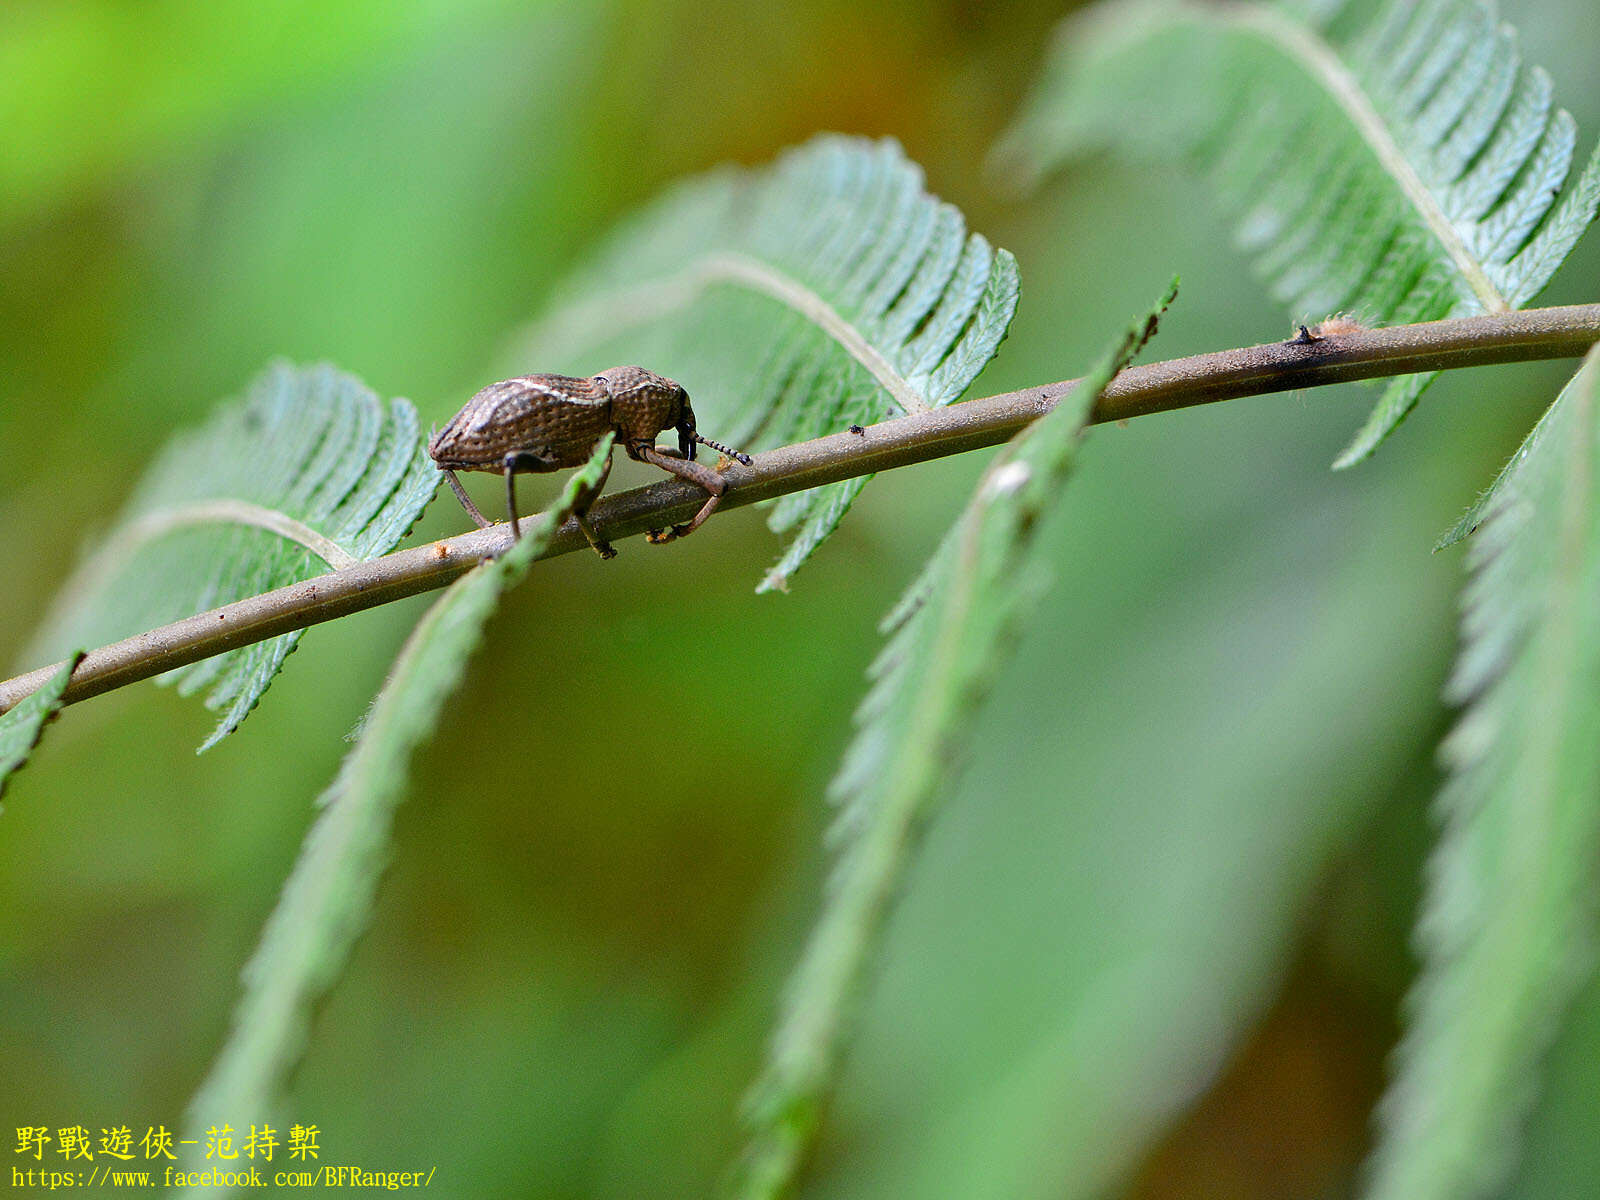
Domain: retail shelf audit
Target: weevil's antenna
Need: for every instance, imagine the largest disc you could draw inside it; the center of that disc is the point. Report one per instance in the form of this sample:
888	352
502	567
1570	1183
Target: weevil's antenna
720	448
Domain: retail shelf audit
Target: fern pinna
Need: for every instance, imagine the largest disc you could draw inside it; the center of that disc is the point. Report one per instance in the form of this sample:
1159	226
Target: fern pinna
1508	930
309	471
793	301
327	900
21	725
1396	160
945	642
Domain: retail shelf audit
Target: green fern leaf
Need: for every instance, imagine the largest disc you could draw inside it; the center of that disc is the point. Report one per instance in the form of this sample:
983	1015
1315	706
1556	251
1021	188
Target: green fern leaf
946	640
309	471
1508	928
21	725
1480	508
792	301
327	900
1403	167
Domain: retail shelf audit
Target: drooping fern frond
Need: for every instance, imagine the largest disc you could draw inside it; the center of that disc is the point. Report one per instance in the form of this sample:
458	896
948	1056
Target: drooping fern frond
21	725
309	471
1391	159
946	641
1508	927
327	900
793	300
1485	503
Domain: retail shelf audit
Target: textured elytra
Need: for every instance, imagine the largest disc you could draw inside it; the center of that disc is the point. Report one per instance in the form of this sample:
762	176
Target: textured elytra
791	301
1394	160
532	413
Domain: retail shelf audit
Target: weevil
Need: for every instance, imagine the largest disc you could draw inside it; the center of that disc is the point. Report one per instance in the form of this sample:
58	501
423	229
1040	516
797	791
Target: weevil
538	423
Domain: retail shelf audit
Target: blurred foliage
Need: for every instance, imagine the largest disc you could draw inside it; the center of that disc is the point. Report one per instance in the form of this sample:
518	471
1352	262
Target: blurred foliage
1205	775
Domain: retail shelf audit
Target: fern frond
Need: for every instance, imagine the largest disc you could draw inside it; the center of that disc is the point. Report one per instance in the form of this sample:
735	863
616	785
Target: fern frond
309	471
1480	508
1508	928
792	301
21	725
327	900
1404	167
946	639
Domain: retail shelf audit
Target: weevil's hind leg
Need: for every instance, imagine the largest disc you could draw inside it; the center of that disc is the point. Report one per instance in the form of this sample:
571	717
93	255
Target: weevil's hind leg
511	461
515	460
478	519
695	473
580	513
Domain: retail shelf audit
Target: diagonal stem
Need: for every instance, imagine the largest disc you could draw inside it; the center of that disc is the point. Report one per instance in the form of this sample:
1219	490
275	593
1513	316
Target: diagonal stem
1517	336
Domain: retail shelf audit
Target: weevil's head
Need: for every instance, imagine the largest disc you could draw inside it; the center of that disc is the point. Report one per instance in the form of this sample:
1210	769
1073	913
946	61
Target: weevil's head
685	426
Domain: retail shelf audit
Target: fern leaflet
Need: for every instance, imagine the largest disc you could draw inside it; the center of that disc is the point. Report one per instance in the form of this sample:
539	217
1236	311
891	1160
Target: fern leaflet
946	638
1508	926
792	301
1392	159
327	900
22	724
309	471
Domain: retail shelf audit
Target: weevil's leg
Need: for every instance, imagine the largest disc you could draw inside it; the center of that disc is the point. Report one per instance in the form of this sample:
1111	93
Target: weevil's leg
738	456
478	519
695	473
521	460
510	464
580	513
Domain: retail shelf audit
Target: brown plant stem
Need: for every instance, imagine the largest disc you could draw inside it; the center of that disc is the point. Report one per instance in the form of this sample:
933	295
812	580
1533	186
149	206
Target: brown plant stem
1138	391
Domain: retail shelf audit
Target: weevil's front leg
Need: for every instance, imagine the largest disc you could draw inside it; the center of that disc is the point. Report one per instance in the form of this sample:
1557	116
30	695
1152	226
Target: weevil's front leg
478	519
580	513
695	473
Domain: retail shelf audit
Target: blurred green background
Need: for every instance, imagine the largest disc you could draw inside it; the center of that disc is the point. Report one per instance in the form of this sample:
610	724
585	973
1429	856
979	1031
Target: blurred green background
1155	943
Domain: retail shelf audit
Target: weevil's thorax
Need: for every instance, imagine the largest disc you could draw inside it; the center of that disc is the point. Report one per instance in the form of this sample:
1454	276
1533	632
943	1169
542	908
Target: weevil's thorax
642	402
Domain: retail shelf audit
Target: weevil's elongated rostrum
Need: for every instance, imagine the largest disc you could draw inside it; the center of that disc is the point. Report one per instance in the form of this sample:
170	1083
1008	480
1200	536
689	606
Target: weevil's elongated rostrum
547	422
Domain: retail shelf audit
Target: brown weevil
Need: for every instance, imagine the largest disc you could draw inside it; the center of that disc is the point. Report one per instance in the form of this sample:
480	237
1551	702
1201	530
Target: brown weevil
537	423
